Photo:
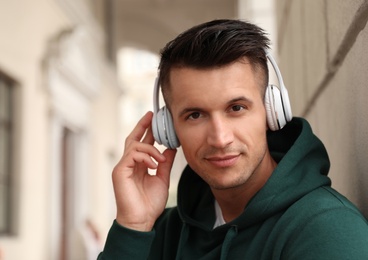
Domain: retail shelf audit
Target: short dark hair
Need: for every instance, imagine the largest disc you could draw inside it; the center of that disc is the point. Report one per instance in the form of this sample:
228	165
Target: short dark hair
214	44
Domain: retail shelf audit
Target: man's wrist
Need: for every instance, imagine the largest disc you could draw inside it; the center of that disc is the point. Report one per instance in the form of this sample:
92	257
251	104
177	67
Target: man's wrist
142	227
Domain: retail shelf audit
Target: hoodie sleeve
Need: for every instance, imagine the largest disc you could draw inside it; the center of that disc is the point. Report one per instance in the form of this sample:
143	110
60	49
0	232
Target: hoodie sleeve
124	243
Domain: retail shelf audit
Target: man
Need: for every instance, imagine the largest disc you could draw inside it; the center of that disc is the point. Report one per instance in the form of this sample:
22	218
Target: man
247	192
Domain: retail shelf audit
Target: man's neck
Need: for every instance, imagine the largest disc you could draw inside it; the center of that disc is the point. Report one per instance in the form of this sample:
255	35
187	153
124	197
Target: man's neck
233	201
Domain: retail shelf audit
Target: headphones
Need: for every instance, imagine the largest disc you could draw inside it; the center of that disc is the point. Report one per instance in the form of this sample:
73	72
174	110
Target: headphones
277	104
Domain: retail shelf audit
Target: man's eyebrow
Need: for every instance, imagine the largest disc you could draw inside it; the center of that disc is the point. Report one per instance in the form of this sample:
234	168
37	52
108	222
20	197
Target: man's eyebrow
241	98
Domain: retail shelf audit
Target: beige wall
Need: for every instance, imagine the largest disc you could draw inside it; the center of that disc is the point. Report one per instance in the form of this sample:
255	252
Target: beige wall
25	28
55	51
322	47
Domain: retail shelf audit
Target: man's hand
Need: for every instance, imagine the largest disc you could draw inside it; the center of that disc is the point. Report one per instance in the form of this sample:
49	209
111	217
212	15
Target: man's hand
140	197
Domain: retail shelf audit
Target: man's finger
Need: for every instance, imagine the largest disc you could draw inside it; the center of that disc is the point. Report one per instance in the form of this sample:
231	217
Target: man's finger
141	127
164	168
148	138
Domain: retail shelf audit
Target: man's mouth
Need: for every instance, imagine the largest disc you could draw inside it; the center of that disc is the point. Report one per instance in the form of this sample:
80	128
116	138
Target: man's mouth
223	161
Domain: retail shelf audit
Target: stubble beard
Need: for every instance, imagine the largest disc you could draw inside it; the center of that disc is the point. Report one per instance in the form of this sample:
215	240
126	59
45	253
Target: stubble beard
244	174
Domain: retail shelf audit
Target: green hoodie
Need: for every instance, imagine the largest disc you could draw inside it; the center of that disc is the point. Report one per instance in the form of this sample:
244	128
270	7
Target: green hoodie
296	215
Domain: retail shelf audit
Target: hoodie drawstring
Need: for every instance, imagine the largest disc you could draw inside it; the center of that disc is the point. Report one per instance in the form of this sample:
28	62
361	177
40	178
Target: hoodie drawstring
230	235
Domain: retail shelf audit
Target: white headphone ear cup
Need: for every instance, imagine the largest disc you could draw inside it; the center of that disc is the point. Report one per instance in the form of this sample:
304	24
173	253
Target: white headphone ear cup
270	109
274	108
163	129
286	104
172	139
155	128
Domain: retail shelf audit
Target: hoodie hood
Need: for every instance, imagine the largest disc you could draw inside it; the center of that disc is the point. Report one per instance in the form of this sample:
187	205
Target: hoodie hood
303	166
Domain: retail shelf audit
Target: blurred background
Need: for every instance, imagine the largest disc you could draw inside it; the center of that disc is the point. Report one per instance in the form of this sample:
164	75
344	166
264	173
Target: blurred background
76	75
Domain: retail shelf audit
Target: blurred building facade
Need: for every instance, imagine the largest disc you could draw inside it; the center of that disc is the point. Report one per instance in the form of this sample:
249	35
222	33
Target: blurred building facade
74	80
59	127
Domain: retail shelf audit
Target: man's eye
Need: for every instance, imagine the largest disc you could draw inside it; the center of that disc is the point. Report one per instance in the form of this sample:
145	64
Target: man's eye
237	108
194	115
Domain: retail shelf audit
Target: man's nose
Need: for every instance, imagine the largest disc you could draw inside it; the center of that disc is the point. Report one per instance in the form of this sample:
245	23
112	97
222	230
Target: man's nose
220	132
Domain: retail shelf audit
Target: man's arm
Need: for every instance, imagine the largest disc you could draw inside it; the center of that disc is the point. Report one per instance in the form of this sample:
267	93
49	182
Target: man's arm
140	197
123	243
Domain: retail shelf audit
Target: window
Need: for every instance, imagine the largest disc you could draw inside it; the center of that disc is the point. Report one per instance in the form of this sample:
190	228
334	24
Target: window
6	145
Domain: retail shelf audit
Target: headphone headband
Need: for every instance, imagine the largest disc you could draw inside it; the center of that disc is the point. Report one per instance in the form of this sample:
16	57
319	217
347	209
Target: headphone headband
276	68
156	96
284	93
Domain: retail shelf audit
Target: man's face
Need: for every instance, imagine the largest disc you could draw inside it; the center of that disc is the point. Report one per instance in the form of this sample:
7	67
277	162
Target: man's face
220	120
